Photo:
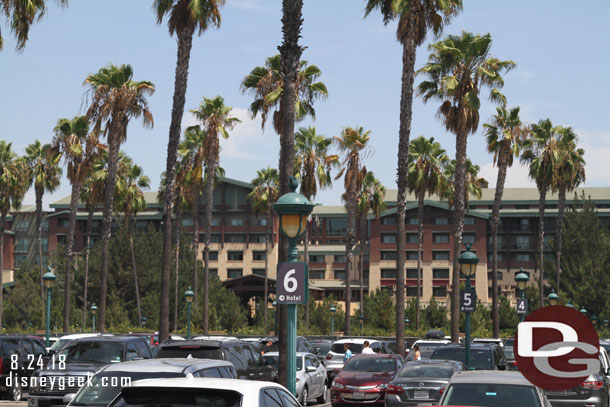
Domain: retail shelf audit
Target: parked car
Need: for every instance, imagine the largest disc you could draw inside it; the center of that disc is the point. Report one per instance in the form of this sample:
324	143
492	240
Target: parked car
303	345
421	381
334	357
156	342
426	347
323	346
204	392
482	356
496	341
312	383
109	380
364	380
68	369
509	354
61	341
247	361
28	352
492	389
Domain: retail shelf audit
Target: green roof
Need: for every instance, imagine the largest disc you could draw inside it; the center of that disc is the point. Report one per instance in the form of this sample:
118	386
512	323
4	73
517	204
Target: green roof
442	205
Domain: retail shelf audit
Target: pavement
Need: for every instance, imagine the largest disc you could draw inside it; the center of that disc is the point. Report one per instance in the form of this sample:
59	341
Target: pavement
13	403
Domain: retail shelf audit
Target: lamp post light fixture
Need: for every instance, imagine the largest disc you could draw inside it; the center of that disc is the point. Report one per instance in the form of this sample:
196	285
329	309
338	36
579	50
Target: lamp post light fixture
143	321
188	297
49	282
332	310
605	322
553	298
407	321
468	266
594	319
569	304
293	210
583	311
522	279
93	310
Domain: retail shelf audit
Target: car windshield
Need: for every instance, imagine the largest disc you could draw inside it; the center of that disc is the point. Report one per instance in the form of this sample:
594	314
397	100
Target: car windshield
96	352
480	359
509	352
324	347
491	395
354	347
105	386
59	344
177	397
605	346
509	342
370	365
274	360
426	370
424	350
196	351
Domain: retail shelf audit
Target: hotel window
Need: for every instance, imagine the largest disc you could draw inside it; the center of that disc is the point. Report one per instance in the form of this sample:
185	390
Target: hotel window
388	273
468	220
440	274
336	226
257	238
412	273
339	258
339	274
20	259
412	221
316	258
213	255
412	238
316	274
215	221
388	238
522	206
412	254
23	225
234	273
491	257
213	273
45	260
187	221
388	220
499	240
235	256
522	242
235	238
45	244
490	275
524	223
258	255
440	291
22	244
522	257
438	255
261	222
388	255
440	237
468	238
236	221
259	272
441	221
63	223
412	291
388	289
215	238
45	225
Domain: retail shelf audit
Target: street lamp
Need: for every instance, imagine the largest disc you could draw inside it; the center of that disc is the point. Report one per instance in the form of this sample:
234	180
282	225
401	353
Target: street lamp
93	310
522	278
275	329
583	311
569	304
605	322
361	319
293	210
332	310
49	282
553	298
143	321
594	319
188	297
407	323
468	266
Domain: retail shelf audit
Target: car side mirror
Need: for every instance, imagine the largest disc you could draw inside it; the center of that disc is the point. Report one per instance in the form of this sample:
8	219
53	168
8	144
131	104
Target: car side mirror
68	397
311	369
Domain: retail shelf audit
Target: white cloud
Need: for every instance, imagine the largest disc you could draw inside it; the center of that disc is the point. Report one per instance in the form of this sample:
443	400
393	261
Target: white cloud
516	177
246	4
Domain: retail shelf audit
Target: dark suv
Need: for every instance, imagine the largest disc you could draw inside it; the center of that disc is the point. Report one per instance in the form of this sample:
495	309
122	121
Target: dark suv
482	356
245	358
28	353
67	371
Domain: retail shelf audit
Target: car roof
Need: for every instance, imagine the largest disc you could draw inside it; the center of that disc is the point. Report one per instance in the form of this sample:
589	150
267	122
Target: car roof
356	340
299	354
79	336
424	341
375	356
489	377
111	339
432	362
479	345
202	342
241	386
164	365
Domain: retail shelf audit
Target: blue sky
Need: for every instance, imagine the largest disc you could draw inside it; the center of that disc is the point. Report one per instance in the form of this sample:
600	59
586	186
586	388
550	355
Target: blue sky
561	52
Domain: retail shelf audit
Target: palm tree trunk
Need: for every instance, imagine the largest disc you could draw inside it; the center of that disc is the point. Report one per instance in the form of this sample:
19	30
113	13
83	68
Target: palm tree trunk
404	134
495	216
196	248
130	227
76	186
210	171
363	236
39	192
350	238
177	227
90	209
185	42
267	238
558	228
541	204
420	241
306	254
2	226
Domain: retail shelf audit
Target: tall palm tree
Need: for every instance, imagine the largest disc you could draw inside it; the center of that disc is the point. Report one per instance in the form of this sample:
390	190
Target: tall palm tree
184	18
115	99
505	134
571	173
352	144
313	165
130	202
457	69
14	183
44	166
74	143
370	199
473	185
262	197
216	120
542	153
415	19
427	161
22	14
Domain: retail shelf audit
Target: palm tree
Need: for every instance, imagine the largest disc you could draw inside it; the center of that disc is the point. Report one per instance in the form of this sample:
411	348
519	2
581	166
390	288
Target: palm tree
505	134
73	142
184	18
370	199
427	161
571	173
14	183
313	166
352	143
130	202
542	152
44	166
22	14
216	119
263	196
458	68
473	185
115	99
415	19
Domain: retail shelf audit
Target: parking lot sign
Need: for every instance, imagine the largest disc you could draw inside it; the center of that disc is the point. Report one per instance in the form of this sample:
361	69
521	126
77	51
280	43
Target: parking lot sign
292	283
521	305
468	300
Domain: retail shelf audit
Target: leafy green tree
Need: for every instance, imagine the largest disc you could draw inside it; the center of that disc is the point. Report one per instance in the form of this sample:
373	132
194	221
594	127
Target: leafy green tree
436	315
508	317
379	311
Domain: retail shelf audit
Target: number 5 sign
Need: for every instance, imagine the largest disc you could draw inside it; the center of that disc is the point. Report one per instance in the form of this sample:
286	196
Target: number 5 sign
468	300
292	283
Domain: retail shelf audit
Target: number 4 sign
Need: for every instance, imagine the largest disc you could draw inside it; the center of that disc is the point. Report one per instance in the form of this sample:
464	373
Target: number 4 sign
292	283
521	305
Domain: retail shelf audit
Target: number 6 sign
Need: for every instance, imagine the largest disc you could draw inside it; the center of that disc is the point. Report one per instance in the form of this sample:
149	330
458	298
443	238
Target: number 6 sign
292	283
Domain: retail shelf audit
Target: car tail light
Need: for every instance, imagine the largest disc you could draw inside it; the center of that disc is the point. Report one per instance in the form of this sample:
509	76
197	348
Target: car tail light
394	389
441	391
594	385
514	363
329	356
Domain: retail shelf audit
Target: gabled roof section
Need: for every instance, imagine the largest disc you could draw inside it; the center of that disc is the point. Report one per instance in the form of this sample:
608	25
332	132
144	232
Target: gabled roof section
440	205
329	211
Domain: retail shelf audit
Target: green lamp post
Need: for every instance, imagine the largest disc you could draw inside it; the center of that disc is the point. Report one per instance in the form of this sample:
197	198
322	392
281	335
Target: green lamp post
188	297
332	311
522	279
605	322
468	266
407	321
569	304
93	310
143	321
552	298
293	210
594	319
276	328
583	311
49	282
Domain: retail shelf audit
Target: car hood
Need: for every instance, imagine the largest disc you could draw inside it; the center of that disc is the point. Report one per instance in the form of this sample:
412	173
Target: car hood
72	369
364	378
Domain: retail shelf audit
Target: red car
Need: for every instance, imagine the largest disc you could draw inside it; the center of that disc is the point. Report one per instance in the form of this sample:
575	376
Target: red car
364	380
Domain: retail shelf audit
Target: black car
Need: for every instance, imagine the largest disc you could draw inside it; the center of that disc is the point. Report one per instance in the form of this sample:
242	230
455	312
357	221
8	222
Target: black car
28	353
482	356
67	370
303	345
246	359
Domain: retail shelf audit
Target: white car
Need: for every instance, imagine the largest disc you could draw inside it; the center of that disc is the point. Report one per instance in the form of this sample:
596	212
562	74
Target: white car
215	338
334	357
426	347
198	391
60	342
495	341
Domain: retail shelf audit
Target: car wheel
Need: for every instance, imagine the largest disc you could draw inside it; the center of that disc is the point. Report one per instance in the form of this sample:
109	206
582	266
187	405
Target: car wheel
304	396
15	392
322	398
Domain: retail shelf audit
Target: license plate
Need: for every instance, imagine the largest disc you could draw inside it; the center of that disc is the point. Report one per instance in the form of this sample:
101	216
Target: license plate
358	396
420	395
